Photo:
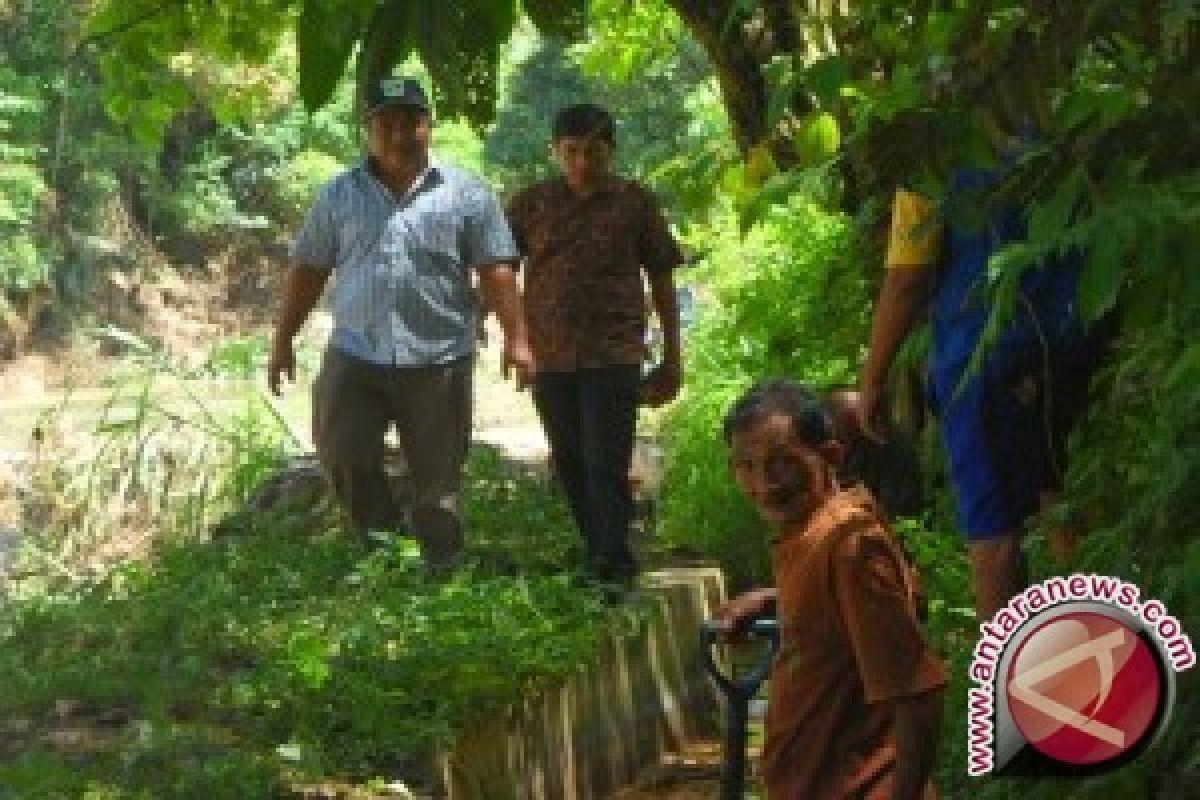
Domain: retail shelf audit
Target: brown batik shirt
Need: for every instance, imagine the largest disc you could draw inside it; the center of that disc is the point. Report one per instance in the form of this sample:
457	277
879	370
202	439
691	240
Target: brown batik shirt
850	643
584	257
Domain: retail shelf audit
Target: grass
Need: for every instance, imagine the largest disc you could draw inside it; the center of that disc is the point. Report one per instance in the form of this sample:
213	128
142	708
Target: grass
143	658
280	652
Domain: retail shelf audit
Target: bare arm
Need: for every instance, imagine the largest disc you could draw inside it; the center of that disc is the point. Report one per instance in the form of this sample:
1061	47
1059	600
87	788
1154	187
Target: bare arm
901	298
735	613
301	290
662	385
498	283
918	726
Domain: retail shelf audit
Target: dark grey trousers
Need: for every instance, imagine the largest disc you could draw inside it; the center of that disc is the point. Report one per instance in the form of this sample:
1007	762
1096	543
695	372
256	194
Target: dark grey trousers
354	403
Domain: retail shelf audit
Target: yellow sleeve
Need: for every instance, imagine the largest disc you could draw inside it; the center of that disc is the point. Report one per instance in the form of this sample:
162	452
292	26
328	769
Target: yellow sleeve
916	232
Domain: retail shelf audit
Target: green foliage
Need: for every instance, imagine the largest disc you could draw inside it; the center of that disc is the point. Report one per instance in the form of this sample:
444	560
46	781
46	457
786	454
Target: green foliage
61	155
23	261
631	41
458	143
24	254
300	178
325	35
677	148
562	19
746	332
275	647
251	175
459	43
282	650
203	203
143	50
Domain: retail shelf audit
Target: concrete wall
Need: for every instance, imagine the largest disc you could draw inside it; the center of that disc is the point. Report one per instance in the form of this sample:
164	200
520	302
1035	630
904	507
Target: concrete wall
644	696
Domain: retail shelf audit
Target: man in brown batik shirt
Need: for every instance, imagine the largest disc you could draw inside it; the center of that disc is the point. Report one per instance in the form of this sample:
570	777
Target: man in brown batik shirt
587	237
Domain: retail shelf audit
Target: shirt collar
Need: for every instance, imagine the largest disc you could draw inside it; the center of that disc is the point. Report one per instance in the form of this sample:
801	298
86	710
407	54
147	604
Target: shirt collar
828	515
608	184
430	176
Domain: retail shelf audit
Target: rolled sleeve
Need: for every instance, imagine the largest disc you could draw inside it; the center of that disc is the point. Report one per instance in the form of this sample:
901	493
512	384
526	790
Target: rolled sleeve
916	232
316	243
488	237
877	608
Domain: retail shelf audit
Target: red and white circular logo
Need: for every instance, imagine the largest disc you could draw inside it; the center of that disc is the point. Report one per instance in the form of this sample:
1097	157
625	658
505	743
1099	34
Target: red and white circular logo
1085	689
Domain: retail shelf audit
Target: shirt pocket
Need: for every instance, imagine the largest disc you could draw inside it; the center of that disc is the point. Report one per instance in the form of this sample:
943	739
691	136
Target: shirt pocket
353	238
437	232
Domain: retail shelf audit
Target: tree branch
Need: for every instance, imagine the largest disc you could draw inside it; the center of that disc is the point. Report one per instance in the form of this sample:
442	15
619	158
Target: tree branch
739	73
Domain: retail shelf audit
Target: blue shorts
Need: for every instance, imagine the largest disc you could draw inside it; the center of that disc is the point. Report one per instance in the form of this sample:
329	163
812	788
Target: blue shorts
1005	436
1000	457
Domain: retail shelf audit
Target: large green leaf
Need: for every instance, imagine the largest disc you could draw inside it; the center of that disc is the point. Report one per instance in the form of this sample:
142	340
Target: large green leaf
826	77
325	35
460	45
1050	219
1104	270
388	40
565	19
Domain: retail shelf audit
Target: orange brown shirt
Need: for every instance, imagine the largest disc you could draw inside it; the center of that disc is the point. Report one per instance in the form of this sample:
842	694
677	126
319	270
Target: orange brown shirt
583	262
850	642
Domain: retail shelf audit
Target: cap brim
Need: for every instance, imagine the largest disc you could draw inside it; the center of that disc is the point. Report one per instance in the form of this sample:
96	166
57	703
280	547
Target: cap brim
397	102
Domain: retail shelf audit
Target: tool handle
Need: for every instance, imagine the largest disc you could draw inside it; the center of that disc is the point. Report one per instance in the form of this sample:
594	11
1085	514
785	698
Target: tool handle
765	629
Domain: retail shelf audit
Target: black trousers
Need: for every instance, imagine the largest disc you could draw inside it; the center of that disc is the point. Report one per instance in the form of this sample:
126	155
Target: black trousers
589	417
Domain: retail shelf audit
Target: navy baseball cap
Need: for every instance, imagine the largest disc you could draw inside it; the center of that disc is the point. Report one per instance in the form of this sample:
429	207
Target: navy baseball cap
395	92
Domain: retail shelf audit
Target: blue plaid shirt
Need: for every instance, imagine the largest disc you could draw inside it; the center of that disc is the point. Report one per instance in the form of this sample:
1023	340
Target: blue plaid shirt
401	265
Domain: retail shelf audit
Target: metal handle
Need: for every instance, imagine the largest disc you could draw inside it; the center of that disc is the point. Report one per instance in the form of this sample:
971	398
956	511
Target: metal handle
745	685
739	689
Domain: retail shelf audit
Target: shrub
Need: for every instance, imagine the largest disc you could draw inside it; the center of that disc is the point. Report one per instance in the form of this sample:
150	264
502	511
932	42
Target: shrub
298	180
780	302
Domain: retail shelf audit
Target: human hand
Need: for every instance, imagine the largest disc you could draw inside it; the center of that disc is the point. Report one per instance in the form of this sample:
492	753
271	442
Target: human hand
282	361
868	411
734	615
661	386
517	359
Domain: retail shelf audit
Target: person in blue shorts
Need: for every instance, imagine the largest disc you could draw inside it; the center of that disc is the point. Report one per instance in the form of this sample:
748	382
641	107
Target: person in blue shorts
1004	426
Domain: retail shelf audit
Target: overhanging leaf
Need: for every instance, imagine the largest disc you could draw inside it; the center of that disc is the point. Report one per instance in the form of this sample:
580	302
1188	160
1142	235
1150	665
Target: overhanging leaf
825	78
1104	270
563	19
388	40
325	35
1050	219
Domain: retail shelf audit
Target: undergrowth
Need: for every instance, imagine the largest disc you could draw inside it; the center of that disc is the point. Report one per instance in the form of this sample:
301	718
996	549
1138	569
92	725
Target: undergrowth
279	650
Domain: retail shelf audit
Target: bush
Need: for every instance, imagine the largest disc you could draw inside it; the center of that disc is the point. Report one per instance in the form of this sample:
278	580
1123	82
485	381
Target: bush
281	649
23	263
298	180
780	302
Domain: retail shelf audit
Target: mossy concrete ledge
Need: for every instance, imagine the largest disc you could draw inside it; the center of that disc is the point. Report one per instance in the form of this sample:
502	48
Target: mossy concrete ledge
645	695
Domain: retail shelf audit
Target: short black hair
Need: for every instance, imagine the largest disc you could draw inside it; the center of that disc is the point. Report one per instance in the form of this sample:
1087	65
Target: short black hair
811	419
586	120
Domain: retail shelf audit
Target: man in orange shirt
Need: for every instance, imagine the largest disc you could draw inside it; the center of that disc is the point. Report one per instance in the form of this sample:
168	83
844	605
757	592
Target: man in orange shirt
856	691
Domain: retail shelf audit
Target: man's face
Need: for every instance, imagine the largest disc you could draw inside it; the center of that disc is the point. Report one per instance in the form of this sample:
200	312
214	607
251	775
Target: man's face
584	160
781	476
398	136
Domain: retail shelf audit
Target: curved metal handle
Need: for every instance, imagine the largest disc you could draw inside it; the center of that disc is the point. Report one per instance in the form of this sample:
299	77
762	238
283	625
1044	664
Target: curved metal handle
746	685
